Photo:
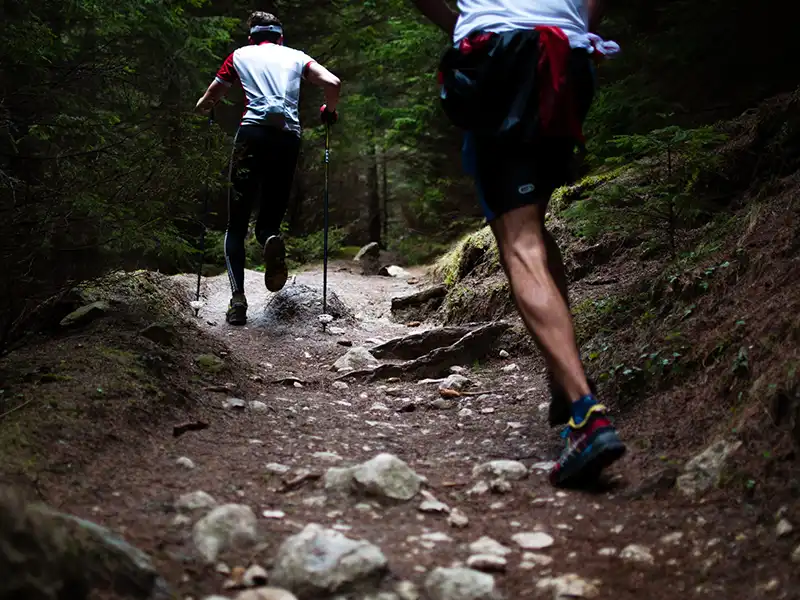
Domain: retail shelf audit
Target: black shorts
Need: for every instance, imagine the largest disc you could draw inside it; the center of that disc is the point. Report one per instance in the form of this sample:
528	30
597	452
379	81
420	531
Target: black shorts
511	174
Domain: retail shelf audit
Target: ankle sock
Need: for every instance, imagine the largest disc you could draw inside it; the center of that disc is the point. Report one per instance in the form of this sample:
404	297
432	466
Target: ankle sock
581	408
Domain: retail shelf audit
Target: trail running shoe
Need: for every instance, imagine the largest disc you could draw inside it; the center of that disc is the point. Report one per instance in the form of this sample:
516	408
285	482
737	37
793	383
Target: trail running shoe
590	448
237	312
275	271
560	406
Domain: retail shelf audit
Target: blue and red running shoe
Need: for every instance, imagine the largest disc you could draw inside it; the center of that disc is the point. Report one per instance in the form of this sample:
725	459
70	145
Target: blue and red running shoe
591	447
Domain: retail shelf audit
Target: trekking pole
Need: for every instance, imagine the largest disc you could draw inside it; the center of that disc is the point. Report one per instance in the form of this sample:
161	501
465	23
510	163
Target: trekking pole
203	223
325	222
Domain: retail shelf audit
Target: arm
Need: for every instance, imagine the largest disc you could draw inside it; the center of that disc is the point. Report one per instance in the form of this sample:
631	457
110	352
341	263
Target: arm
213	94
595	13
439	13
331	85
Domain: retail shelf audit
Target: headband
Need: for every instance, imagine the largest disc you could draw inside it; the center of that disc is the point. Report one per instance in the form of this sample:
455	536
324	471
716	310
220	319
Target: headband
266	28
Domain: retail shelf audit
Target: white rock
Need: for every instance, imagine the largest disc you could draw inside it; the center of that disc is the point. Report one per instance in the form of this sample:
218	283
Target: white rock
431	505
277	468
796	555
607	552
234	404
783	528
506	469
487	545
185	462
356	359
258	406
436	536
466	412
500	486
543	467
255	576
487	562
181	520
407	590
460	584
266	593
327	456
325	318
384	476
339	385
273	514
510	368
672	538
229	526
319	561
568	586
503	354
705	470
540	560
457	518
636	553
195	501
454	382
536	540
478	489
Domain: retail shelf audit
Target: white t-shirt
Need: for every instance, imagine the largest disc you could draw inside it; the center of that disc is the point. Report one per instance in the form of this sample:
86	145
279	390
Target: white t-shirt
270	76
499	16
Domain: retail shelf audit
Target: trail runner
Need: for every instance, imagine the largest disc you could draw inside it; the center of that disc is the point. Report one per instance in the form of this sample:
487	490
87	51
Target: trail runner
519	81
266	147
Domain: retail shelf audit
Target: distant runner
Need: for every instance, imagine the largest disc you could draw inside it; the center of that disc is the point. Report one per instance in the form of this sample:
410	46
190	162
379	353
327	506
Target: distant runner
266	147
520	80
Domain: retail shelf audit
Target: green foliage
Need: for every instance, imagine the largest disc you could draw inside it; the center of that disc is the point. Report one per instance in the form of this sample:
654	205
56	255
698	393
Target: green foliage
664	198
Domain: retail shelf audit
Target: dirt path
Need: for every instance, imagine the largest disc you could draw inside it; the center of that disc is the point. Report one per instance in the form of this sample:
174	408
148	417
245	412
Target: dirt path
708	551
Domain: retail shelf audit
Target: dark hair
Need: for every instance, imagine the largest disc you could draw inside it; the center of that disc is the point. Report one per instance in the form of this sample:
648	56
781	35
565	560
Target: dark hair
263	18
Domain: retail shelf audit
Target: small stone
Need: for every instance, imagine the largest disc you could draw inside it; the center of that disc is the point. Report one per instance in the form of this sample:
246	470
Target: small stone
487	411
607	552
431	505
195	501
436	536
783	528
458	369
478	489
339	385
486	545
536	540
796	555
255	576
490	563
227	526
705	470
540	560
234	404
770	586
568	587
458	518
465	413
460	584
222	569
510	368
327	456
210	363
407	590
185	462
277	468
506	469
672	538
181	520
636	553
500	486
503	354
258	406
454	382
355	359
160	334
86	314
266	593
273	514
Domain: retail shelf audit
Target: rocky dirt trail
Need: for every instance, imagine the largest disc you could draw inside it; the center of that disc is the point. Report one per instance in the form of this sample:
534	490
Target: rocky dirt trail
387	488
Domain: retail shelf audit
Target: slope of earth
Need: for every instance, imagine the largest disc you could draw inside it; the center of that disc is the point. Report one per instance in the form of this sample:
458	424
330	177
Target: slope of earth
90	429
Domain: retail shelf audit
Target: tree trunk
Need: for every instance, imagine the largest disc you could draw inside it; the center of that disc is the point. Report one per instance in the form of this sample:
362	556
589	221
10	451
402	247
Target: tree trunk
374	198
385	190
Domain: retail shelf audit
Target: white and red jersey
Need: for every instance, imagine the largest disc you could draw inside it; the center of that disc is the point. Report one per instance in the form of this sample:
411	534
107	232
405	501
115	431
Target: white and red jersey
270	75
499	16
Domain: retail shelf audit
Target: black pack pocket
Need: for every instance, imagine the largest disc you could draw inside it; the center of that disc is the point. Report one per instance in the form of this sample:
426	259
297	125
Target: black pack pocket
482	90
